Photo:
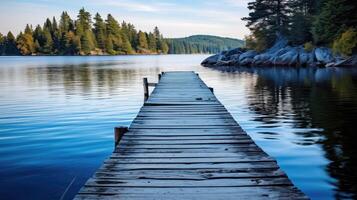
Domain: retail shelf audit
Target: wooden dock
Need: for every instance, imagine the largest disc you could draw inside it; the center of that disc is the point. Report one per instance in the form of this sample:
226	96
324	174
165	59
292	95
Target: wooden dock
184	144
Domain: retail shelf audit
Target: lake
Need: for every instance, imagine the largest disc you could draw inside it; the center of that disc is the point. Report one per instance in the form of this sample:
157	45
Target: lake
57	116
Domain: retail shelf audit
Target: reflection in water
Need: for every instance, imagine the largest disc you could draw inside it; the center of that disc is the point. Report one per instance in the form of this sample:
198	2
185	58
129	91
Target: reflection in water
57	115
316	98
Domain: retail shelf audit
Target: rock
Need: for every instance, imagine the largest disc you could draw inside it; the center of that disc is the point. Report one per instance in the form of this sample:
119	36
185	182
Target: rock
247	54
306	58
233	52
211	60
324	55
246	62
280	43
289	57
350	62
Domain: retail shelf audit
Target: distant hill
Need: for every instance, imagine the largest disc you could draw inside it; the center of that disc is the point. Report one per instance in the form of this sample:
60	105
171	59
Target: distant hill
202	44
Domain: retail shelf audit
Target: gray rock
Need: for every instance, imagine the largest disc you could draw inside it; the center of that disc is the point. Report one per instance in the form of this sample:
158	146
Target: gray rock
232	52
289	58
246	62
247	54
306	58
211	60
324	55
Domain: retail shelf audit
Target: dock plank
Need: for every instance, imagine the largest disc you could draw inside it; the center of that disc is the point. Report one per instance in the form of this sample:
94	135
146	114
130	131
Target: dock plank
184	144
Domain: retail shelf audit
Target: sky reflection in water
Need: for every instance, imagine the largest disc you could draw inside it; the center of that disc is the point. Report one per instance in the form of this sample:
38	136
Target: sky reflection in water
58	113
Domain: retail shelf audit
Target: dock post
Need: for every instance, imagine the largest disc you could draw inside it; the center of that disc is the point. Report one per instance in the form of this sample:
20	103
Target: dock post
118	134
211	88
146	88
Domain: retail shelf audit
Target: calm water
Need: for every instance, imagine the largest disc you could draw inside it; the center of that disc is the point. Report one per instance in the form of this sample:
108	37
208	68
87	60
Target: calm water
57	116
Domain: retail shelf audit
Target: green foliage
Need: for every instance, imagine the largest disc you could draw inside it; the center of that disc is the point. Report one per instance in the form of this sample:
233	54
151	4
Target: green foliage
201	44
142	42
346	44
10	47
82	37
319	21
308	46
332	19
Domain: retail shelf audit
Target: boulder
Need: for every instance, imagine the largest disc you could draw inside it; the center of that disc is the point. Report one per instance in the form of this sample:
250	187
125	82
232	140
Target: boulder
247	54
306	58
246	62
211	60
232	52
289	58
324	55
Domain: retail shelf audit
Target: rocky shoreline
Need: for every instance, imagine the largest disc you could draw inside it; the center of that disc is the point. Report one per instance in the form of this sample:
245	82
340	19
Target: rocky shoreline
281	54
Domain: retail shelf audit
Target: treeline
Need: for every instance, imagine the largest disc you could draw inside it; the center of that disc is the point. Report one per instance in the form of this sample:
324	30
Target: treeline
83	37
330	23
202	44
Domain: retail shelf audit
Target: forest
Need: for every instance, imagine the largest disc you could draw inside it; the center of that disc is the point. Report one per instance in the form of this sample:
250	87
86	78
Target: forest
330	23
83	36
202	44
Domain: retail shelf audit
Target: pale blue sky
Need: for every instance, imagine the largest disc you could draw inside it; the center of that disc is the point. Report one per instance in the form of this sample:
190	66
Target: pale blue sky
175	18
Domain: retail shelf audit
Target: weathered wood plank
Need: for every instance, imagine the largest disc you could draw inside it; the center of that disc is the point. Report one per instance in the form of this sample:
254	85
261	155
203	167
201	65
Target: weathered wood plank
184	144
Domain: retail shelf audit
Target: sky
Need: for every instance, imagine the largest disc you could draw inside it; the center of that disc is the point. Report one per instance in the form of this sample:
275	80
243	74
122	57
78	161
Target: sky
175	18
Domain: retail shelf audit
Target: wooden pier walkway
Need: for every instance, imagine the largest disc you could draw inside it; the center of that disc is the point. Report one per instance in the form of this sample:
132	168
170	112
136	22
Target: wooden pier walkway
184	144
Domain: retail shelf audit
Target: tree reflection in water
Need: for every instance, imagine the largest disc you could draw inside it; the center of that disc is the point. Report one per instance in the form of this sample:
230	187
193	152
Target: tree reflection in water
322	98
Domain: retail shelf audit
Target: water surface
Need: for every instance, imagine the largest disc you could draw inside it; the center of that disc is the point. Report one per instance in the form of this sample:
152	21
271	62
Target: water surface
57	116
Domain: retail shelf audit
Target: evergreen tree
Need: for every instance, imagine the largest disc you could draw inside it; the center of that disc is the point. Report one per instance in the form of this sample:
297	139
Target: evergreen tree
99	31
267	19
109	45
335	17
82	37
10	45
127	48
142	41
152	44
84	31
66	23
2	44
25	42
47	47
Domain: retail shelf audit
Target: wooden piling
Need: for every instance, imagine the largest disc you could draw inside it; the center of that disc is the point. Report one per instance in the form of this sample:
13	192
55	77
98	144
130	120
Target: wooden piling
119	133
146	88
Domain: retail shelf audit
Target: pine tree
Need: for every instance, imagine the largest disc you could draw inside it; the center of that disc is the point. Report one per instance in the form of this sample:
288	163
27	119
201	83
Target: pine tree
10	45
335	17
66	23
142	41
84	31
152	42
47	47
25	42
127	48
2	44
99	31
269	17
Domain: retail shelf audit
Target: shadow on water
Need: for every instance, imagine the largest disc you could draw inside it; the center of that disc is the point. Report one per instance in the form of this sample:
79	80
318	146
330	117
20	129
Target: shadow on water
320	98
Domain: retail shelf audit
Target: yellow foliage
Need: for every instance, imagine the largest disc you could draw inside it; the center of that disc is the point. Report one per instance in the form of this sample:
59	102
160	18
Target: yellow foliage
346	43
308	46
